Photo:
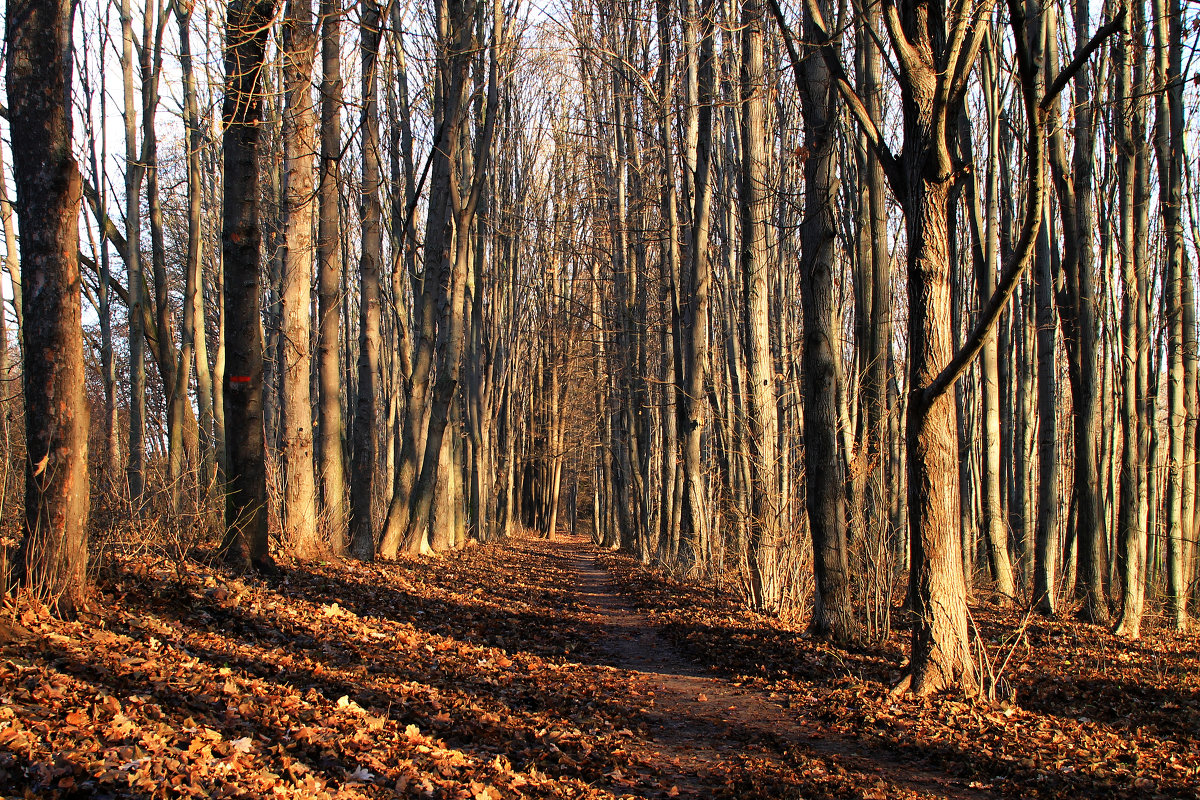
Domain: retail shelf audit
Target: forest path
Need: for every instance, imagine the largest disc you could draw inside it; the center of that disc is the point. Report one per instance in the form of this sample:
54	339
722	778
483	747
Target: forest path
701	724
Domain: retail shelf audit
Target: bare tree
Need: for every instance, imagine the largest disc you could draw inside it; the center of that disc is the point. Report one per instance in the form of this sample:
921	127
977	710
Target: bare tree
300	146
52	557
331	452
762	411
247	27
366	412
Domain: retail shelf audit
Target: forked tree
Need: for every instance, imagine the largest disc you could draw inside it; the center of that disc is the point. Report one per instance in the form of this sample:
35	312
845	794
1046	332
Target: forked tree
935	45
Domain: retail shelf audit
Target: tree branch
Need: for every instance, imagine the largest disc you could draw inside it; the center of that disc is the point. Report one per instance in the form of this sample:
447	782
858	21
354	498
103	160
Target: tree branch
887	159
1019	258
1035	110
1081	58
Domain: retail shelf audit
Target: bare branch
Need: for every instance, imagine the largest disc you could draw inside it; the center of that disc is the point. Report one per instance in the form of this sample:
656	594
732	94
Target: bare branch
891	166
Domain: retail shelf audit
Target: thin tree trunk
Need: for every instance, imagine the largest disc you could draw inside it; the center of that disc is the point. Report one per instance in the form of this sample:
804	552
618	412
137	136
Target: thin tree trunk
366	414
329	267
1168	141
192	342
995	531
762	411
300	146
694	332
1133	506
195	329
135	281
1047	531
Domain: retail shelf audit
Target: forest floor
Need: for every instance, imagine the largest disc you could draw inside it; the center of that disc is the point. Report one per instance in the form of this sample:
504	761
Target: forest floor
546	670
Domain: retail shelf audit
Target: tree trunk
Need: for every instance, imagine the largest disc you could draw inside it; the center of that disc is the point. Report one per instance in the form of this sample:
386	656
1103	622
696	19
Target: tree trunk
51	560
247	29
331	451
762	411
192	329
366	414
995	531
940	654
209	442
300	145
135	280
1168	141
1133	507
1046	537
825	479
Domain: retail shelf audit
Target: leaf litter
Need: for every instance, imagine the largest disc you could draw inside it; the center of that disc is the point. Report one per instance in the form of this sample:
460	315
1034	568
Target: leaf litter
484	674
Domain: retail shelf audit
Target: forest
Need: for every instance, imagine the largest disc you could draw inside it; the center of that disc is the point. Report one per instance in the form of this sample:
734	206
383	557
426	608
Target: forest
600	398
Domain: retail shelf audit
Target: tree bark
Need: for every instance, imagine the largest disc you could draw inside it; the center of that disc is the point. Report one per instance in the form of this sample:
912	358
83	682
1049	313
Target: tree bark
194	329
331	450
1133	506
694	328
300	146
51	559
987	262
825	478
247	29
135	280
1168	142
366	414
761	409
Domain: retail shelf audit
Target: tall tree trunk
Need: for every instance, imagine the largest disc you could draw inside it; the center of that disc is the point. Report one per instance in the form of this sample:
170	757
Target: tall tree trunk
438	236
940	654
109	480
331	451
300	145
1077	311
694	330
1047	536
363	487
825	479
880	420
987	260
192	333
51	560
247	29
762	411
150	66
1168	141
1133	506
135	280
209	441
451	278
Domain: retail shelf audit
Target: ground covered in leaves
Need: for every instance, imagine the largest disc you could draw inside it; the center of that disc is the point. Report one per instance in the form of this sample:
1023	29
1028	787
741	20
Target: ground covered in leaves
491	673
1093	715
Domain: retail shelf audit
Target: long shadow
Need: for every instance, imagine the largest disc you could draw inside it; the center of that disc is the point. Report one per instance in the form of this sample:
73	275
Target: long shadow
321	759
1169	713
20	776
779	658
470	730
45	778
521	699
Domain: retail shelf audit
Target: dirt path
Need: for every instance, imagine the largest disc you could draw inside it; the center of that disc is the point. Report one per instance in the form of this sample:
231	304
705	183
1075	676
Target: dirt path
701	724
